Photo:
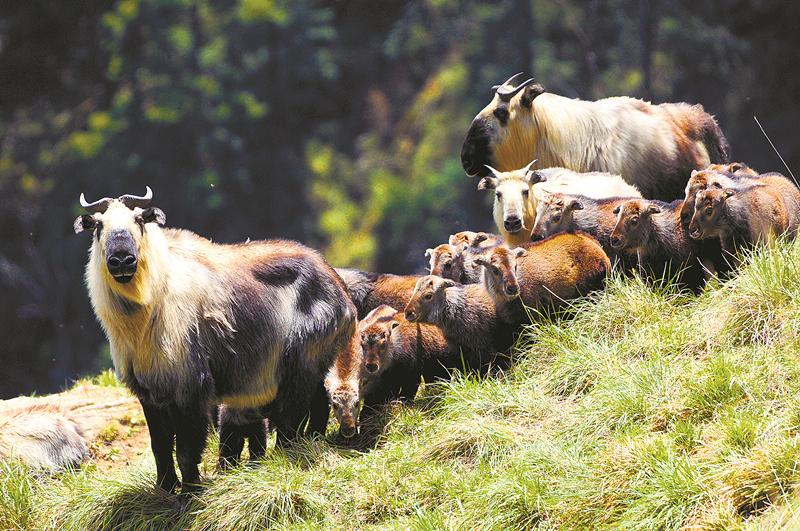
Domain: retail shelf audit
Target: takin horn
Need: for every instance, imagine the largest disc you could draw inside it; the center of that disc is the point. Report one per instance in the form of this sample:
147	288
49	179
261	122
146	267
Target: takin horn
133	201
506	82
494	171
506	93
96	207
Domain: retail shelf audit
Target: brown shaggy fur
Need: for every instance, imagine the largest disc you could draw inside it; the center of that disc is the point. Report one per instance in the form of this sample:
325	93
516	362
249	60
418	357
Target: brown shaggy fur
543	275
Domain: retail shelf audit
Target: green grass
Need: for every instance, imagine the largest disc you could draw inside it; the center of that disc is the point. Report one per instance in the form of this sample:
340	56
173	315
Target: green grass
647	409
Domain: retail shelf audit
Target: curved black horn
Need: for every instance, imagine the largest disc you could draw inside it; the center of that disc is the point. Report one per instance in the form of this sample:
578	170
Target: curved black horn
95	207
506	82
133	201
506	93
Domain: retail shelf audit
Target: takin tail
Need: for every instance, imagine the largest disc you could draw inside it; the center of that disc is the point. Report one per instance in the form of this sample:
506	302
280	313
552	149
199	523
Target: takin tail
42	437
719	151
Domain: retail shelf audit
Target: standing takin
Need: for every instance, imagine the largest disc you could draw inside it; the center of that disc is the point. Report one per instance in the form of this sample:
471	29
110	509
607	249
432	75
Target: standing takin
192	323
651	146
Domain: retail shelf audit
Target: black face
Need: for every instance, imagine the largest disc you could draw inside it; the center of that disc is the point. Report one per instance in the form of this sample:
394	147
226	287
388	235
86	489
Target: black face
476	151
121	256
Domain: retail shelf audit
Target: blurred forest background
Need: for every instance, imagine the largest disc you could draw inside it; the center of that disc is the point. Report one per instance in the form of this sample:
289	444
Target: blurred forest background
335	123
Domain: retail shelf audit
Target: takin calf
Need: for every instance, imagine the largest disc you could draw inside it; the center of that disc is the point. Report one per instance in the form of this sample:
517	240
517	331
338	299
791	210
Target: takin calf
466	314
543	275
653	147
393	355
557	213
370	290
398	353
253	326
743	217
456	260
517	193
651	234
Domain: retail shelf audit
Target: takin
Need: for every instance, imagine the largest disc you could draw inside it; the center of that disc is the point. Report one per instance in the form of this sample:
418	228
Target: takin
42	436
733	175
446	261
466	314
557	213
253	326
743	217
517	194
398	353
370	290
653	147
456	260
652	235
543	275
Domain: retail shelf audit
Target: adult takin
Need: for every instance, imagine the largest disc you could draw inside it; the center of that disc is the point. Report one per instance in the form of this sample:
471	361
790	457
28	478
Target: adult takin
517	194
651	146
543	275
192	323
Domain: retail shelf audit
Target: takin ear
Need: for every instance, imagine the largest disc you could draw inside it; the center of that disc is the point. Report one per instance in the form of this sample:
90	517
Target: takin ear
729	192
487	183
84	222
653	209
481	261
519	252
574	204
480	238
736	166
154	215
447	283
617	209
530	93
393	325
535	177
428	253
694	172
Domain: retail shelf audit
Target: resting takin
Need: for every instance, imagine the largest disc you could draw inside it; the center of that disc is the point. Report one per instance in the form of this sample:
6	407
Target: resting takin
518	192
653	147
192	323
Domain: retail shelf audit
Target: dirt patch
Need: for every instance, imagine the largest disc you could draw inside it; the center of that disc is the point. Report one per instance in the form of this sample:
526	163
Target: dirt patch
109	418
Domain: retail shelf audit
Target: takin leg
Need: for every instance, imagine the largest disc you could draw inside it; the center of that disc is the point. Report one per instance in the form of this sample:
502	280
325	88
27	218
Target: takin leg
162	440
320	411
236	425
409	386
191	432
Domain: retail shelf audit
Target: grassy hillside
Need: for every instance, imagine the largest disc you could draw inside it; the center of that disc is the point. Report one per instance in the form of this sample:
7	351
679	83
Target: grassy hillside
649	409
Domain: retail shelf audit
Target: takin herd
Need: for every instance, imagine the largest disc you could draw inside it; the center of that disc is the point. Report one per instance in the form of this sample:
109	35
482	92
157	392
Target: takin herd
266	335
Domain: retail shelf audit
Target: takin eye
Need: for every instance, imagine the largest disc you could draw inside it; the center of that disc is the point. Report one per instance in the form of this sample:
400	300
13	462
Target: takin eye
557	218
634	220
498	195
495	270
428	296
501	113
709	211
525	193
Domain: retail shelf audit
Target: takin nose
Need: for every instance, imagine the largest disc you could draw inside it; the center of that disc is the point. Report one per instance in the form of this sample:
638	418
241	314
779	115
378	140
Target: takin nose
122	266
372	367
475	151
536	237
347	431
512	290
512	224
411	315
616	242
